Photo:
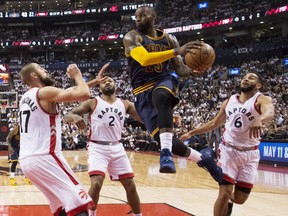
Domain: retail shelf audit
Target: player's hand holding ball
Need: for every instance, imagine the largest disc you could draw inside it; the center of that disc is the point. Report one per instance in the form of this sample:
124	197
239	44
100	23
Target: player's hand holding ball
199	60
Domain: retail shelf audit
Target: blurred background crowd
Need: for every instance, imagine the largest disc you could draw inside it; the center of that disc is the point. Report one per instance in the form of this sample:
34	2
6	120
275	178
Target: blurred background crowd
260	47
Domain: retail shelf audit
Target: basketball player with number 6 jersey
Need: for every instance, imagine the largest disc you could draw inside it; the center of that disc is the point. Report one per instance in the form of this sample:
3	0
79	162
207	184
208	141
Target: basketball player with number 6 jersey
41	158
105	152
245	116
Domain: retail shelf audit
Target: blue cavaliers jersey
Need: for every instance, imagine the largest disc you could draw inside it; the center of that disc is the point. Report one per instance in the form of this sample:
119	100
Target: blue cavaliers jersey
15	140
144	78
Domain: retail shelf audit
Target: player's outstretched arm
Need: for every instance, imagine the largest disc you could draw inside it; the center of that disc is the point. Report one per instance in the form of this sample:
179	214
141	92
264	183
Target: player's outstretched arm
211	125
134	48
79	92
75	115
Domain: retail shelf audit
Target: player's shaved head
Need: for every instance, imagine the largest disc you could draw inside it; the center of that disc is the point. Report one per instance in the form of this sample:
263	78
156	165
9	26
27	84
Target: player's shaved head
26	71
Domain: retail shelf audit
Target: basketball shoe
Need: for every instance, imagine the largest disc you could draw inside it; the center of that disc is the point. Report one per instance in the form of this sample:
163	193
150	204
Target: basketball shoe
230	206
27	181
12	182
166	162
208	163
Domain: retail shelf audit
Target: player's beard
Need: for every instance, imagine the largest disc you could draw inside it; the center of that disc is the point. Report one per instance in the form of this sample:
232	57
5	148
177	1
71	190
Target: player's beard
247	89
47	81
143	26
108	91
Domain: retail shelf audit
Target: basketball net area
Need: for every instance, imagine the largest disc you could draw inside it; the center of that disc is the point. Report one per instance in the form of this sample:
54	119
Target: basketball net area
8	100
3	105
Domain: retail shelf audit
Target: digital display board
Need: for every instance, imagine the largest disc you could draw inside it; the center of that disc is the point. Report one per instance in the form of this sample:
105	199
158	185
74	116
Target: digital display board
234	71
4	78
203	5
108	9
274	151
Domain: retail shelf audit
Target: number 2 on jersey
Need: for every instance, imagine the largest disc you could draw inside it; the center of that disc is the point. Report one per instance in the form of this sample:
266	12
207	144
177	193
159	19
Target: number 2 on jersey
112	120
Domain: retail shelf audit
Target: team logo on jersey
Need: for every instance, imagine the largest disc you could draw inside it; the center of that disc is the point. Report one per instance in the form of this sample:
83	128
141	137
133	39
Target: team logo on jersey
242	111
83	194
111	110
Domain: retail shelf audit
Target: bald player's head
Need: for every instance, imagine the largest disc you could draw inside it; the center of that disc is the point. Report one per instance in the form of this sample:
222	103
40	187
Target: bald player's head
33	73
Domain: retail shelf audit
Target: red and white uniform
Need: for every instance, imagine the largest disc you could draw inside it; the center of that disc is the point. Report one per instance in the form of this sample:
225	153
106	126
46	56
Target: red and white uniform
238	153
41	158
105	152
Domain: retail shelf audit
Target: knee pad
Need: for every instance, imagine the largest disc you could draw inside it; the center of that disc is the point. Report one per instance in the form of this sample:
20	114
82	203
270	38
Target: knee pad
178	147
243	189
161	97
162	102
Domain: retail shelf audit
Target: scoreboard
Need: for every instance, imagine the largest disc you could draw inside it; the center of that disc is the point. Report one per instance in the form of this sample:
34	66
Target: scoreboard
35	14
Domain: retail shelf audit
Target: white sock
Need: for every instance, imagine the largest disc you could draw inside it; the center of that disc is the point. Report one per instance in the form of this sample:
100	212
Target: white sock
12	175
194	155
137	214
166	140
92	212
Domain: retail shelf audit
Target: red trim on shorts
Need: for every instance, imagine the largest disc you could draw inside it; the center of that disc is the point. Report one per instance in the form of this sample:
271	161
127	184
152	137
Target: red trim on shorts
75	182
229	179
245	184
80	209
53	133
123	176
58	211
97	172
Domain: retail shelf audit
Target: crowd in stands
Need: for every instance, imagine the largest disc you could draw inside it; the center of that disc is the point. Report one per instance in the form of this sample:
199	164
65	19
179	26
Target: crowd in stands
176	13
200	101
200	98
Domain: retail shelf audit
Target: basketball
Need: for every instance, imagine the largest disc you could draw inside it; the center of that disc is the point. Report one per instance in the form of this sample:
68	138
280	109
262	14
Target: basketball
201	59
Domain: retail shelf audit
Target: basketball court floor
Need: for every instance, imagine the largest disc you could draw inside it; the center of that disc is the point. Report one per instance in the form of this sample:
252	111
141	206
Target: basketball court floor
191	191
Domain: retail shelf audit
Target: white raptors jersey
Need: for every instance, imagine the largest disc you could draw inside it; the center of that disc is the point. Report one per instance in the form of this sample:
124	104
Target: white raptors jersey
239	117
40	132
107	120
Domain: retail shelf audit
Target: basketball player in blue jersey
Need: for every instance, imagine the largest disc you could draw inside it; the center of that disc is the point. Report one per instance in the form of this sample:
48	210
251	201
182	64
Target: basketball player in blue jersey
13	142
148	51
245	116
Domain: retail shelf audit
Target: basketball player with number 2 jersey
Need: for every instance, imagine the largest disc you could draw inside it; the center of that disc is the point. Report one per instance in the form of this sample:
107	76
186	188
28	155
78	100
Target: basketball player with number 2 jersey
106	153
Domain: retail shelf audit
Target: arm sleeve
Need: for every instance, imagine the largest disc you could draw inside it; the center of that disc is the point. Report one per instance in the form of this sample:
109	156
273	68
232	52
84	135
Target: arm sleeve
141	55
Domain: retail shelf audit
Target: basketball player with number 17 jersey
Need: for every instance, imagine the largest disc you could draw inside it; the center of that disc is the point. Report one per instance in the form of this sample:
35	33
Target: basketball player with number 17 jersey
41	158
